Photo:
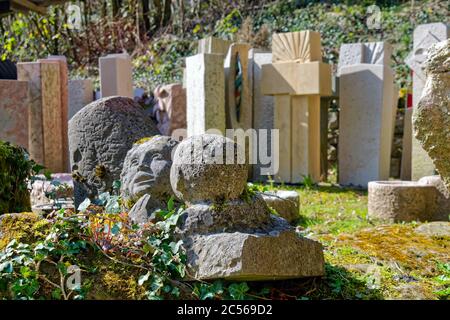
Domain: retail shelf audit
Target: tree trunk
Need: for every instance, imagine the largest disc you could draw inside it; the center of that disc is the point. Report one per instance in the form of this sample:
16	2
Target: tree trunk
146	16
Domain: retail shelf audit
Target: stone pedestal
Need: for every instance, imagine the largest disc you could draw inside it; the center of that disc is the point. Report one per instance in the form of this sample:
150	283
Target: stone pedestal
116	78
297	78
368	105
205	82
46	138
425	35
14	108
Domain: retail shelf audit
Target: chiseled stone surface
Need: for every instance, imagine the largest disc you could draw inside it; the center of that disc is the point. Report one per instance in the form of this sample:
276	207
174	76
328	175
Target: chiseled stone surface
431	118
213	45
285	202
100	136
14	106
397	201
442	211
81	93
171	112
254	256
205	83
425	35
200	170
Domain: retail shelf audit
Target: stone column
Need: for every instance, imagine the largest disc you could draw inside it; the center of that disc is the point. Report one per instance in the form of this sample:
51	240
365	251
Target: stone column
205	90
14	108
213	45
116	78
367	105
425	35
297	78
46	141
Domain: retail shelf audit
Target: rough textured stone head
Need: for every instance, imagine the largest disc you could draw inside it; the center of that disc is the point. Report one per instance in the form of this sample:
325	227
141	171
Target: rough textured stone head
146	169
431	119
100	136
208	167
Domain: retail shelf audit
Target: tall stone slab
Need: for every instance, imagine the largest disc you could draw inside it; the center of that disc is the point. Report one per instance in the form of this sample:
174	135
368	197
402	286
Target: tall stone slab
205	90
297	78
81	93
116	78
14	108
263	110
64	83
367	99
425	35
405	172
45	118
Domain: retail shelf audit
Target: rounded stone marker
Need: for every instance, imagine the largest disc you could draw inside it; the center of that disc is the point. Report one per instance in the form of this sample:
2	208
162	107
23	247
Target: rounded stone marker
100	136
401	201
201	172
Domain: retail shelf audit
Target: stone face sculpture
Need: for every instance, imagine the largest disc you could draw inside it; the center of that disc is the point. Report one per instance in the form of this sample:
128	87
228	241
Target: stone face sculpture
229	233
431	119
100	136
146	172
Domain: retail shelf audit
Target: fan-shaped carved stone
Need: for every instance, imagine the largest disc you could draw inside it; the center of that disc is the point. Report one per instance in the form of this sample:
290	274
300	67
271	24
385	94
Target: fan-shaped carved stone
301	46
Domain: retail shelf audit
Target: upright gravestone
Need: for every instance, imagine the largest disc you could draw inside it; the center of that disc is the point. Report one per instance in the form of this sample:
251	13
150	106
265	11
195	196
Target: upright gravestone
64	83
46	138
116	77
14	107
297	78
81	93
263	114
367	102
205	90
425	35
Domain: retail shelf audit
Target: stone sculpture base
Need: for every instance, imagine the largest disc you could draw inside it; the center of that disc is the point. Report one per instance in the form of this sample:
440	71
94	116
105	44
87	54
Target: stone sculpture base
250	257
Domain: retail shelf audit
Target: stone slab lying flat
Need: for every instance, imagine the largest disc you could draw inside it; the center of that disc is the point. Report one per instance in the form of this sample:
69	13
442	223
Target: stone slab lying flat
252	257
284	202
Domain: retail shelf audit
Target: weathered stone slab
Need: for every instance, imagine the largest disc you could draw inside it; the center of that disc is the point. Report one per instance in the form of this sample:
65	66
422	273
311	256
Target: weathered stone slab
369	52
282	121
285	202
64	107
81	93
205	81
14	108
46	139
249	257
116	77
425	36
171	112
365	124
